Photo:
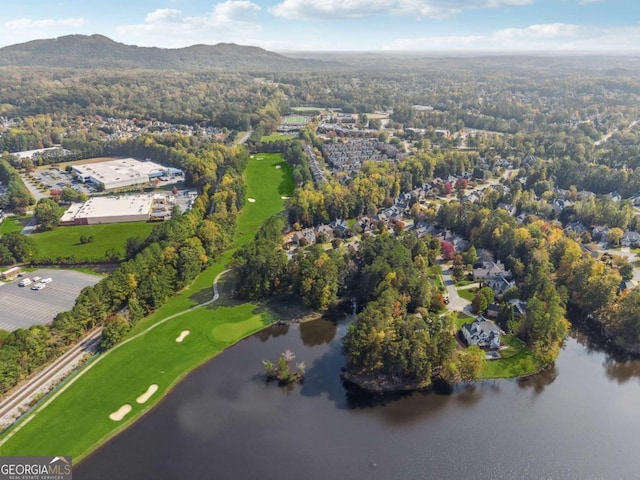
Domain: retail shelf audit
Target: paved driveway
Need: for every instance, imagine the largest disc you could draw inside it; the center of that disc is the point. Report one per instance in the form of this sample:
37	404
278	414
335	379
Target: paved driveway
456	302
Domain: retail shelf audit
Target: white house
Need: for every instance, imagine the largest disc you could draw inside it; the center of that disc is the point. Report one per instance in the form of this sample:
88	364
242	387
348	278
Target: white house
482	333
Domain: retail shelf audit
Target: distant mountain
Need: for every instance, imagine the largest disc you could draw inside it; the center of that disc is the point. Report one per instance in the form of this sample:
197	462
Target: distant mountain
98	51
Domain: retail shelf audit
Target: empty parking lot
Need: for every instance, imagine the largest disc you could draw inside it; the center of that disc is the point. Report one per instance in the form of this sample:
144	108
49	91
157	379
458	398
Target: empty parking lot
21	307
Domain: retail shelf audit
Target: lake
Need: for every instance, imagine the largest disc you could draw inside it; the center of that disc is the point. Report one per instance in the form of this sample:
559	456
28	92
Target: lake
578	420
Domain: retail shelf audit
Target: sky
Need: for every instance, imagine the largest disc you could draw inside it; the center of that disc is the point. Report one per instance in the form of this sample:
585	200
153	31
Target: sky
338	25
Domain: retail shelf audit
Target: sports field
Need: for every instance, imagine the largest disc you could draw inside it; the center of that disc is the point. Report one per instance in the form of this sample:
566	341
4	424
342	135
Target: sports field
76	421
294	120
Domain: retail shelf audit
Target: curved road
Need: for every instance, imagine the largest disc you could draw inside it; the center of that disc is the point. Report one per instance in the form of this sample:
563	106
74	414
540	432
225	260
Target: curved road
23	395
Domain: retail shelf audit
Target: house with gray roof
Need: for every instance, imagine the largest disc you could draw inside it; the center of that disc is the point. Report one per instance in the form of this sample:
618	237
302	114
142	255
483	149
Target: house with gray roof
630	239
482	333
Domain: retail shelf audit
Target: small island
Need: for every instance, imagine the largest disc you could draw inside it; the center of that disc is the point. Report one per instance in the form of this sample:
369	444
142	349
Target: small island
282	370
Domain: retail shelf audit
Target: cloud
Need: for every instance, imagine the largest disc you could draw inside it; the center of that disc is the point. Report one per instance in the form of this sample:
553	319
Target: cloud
27	24
552	36
587	2
337	9
168	27
548	31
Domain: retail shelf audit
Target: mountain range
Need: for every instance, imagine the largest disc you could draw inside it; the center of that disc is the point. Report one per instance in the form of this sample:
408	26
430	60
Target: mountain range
98	51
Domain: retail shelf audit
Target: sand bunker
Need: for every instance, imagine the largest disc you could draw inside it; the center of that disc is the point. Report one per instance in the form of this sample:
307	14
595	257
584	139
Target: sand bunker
283	197
147	395
278	166
120	413
251	200
182	335
250	156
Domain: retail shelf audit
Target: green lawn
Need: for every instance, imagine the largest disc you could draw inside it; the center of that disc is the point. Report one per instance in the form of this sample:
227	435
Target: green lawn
467	294
516	361
435	271
65	241
461	319
275	137
13	224
79	414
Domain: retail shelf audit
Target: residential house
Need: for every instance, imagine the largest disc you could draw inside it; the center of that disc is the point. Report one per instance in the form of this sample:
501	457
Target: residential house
499	284
509	208
576	227
482	333
627	285
630	239
305	237
519	307
600	233
493	310
489	269
340	228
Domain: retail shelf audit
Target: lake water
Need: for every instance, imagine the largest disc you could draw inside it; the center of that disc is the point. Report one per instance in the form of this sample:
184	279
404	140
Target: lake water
578	420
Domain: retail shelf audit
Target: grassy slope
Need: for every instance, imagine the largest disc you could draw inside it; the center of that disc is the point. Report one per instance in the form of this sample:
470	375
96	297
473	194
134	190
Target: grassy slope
13	224
79	416
65	241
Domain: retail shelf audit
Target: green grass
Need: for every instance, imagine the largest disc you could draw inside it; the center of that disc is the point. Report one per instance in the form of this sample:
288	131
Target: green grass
467	294
435	272
461	319
3	334
13	224
79	414
65	241
516	361
276	137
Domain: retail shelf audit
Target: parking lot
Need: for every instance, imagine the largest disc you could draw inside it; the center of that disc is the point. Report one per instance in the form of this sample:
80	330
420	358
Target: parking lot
21	307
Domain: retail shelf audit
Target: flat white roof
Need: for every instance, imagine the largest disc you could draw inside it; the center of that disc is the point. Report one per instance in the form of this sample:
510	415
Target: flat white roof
119	170
119	206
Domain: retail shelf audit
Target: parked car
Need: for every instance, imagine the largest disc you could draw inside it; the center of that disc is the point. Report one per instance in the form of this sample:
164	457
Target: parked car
24	282
37	279
38	286
46	280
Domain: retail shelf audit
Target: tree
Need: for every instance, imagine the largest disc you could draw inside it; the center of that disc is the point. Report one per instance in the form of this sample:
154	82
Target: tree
115	329
464	366
470	256
615	234
46	214
479	303
447	249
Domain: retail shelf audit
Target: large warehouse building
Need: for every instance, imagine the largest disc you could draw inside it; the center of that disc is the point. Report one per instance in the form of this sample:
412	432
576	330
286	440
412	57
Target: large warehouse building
125	208
121	173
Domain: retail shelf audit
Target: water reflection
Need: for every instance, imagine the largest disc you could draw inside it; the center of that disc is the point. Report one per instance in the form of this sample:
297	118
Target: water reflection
622	371
317	332
539	381
272	332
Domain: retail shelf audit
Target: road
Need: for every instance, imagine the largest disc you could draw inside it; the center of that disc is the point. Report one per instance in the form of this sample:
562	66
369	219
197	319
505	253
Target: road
20	399
456	302
244	138
608	135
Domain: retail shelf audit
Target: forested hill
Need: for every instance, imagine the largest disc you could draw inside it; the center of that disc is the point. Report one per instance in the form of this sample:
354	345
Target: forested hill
98	51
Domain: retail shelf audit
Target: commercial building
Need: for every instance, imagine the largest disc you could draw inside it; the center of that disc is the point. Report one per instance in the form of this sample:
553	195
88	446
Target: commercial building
118	209
121	173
